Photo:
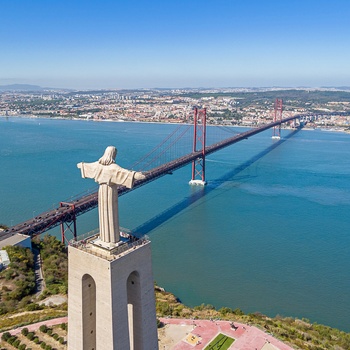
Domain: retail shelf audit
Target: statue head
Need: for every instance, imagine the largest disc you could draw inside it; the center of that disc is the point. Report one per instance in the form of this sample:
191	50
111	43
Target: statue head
109	156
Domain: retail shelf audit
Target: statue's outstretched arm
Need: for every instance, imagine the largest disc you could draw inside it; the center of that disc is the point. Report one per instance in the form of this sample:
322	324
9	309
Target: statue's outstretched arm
139	176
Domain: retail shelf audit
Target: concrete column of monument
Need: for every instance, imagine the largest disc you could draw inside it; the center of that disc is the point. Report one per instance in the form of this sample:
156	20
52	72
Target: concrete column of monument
111	302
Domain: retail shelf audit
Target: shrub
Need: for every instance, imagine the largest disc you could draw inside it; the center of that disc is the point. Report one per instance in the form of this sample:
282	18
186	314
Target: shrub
199	307
36	340
61	340
9	274
30	335
49	331
163	308
6	336
48	347
3	309
43	345
12	339
55	336
225	310
16	343
160	324
63	289
238	312
204	307
22	347
34	307
25	331
63	326
43	328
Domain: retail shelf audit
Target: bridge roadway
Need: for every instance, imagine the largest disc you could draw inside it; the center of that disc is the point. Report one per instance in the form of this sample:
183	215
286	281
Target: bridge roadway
52	218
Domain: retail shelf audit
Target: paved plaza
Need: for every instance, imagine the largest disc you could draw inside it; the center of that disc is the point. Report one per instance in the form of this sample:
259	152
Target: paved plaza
184	334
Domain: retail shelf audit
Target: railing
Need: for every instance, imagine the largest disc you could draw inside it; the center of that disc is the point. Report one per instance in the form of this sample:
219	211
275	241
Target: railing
88	236
84	242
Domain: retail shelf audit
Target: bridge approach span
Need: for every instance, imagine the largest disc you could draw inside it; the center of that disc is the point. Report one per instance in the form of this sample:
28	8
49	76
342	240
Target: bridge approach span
67	212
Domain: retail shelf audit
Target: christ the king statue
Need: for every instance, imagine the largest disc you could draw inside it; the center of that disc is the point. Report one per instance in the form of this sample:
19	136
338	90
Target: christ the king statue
109	175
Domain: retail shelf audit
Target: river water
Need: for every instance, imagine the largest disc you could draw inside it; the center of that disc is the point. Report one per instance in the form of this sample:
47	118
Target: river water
269	233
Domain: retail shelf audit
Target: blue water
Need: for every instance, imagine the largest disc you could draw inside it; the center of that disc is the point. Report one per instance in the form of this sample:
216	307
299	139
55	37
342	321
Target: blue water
269	233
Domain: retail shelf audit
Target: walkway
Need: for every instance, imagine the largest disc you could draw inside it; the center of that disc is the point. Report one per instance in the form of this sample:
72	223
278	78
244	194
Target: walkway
35	326
39	276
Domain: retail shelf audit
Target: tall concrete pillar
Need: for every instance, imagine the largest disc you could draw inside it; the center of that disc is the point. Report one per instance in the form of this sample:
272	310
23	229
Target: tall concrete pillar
111	304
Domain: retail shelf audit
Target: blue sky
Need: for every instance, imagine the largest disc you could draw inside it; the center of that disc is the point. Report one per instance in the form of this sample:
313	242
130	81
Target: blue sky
175	43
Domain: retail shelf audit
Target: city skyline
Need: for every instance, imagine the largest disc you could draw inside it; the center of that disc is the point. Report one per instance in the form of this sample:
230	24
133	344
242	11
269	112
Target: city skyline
140	44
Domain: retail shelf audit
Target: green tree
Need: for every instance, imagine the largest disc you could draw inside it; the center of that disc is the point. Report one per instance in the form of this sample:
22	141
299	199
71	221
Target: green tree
6	336
25	331
43	328
30	336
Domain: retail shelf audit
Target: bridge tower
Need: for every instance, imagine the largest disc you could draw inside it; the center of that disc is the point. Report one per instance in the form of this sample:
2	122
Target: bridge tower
199	143
68	225
276	131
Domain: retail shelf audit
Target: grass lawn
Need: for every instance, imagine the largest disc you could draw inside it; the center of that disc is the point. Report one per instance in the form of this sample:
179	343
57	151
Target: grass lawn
220	342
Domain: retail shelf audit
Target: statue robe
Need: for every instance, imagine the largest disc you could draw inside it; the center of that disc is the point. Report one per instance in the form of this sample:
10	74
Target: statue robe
108	177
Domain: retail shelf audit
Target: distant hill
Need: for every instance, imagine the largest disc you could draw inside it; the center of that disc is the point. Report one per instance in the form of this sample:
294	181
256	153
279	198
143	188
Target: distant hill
29	87
337	87
20	87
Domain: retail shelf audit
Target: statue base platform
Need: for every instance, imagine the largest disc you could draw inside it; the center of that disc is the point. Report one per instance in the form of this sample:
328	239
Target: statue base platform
109	246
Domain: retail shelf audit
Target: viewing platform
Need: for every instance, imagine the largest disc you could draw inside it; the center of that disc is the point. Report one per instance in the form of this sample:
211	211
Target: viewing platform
91	243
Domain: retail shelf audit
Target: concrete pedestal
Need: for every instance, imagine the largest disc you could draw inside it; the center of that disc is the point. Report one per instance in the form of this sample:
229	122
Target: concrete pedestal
111	303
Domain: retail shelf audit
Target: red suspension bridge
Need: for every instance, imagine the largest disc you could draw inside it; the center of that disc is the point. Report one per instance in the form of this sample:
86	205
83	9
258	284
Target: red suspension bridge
66	213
